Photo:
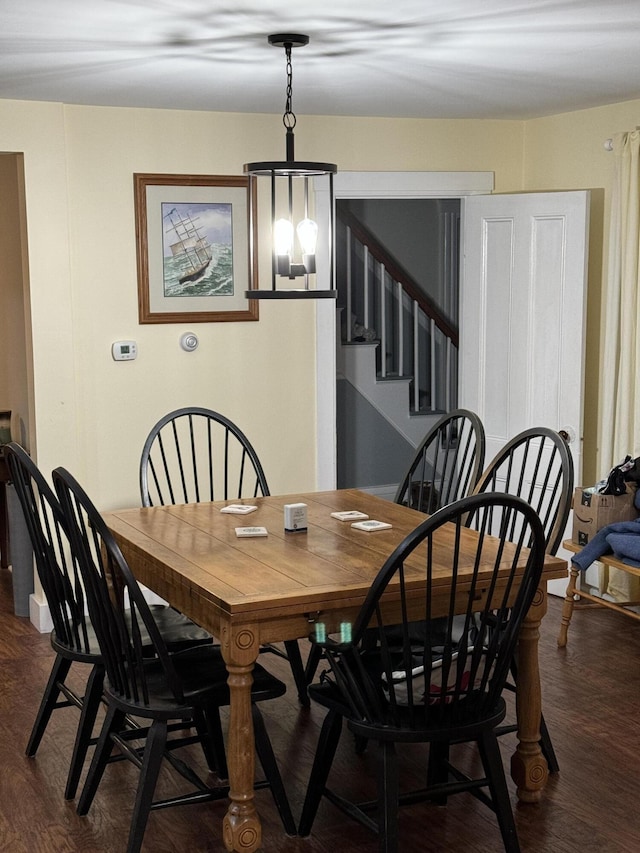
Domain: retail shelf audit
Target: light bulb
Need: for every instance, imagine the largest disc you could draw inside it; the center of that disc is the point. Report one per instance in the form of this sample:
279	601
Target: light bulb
283	236
308	236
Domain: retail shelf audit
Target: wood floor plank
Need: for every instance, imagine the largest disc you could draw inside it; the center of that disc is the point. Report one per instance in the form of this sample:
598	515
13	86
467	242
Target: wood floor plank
591	695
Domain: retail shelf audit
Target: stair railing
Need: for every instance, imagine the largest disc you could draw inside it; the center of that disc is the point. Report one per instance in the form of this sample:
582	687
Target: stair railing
416	339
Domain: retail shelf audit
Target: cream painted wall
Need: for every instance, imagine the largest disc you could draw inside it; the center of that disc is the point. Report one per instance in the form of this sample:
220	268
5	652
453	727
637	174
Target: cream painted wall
239	368
567	152
92	413
37	131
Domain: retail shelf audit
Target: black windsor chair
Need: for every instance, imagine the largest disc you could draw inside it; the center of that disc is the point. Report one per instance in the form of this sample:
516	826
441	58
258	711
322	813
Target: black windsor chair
194	454
537	466
170	691
445	468
73	638
447	689
446	465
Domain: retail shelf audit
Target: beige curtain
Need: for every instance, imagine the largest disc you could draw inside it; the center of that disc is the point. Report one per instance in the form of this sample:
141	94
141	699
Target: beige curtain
620	394
619	427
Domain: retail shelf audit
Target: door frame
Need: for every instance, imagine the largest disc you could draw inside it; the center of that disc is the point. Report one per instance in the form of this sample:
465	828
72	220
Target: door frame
366	185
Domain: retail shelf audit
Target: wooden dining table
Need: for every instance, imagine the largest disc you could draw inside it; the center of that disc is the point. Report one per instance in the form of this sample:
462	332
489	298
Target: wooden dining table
266	589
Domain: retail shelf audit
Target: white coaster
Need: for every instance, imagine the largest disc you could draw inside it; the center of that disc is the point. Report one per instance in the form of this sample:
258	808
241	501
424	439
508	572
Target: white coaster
239	509
350	515
246	532
370	526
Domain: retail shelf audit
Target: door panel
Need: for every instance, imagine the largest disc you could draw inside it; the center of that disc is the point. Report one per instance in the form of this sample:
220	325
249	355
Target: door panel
523	302
522	312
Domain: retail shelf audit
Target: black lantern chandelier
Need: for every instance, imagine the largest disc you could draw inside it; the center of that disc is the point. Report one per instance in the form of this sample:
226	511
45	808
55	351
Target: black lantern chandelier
291	183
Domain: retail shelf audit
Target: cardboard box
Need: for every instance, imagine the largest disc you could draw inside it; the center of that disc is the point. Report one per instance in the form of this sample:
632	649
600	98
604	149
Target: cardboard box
591	512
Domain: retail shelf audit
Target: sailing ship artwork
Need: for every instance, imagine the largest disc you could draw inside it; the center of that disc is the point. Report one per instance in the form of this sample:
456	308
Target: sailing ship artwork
197	245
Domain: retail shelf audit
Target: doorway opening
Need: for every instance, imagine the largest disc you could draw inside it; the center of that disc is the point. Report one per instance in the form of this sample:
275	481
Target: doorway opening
368	185
397	275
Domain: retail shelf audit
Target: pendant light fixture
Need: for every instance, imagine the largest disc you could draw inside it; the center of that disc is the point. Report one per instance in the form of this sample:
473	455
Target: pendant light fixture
297	238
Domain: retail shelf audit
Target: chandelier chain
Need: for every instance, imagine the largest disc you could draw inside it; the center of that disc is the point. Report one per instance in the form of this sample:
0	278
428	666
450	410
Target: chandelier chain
289	117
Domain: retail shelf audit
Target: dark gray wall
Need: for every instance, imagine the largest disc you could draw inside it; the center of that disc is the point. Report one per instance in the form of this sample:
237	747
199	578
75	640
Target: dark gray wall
370	451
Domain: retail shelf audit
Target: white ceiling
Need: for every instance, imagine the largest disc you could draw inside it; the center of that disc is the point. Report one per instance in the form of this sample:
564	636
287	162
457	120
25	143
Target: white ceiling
449	59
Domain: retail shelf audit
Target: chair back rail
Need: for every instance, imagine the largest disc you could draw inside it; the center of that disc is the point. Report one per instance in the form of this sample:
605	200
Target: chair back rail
195	454
447	463
124	624
61	584
537	466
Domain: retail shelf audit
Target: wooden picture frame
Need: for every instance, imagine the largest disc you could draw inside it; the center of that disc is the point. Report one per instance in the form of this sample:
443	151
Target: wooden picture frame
192	242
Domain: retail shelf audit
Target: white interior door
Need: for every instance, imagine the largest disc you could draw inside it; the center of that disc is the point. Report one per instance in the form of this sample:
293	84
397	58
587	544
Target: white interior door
522	315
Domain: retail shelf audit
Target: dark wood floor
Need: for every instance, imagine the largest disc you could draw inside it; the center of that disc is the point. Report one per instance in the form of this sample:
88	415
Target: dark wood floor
591	702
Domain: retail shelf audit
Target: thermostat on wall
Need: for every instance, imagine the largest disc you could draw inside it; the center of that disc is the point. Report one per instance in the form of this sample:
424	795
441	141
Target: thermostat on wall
124	350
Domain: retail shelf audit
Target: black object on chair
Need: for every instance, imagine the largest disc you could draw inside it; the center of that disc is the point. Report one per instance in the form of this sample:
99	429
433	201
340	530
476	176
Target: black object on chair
447	689
446	465
194	454
444	469
537	466
73	638
169	691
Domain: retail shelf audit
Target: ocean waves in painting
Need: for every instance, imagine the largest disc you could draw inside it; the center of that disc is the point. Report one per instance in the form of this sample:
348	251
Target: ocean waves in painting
217	279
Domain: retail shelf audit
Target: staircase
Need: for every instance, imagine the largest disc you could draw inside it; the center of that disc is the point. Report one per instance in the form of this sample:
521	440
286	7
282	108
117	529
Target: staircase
390	396
398	349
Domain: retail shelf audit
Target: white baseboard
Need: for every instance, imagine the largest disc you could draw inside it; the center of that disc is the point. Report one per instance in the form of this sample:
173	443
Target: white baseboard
558	587
40	615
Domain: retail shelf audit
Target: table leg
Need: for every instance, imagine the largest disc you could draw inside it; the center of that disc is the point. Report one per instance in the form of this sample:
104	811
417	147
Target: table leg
241	827
528	766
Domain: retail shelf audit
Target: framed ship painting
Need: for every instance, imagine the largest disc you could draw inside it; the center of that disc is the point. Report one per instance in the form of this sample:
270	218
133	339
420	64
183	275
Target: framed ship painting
192	238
